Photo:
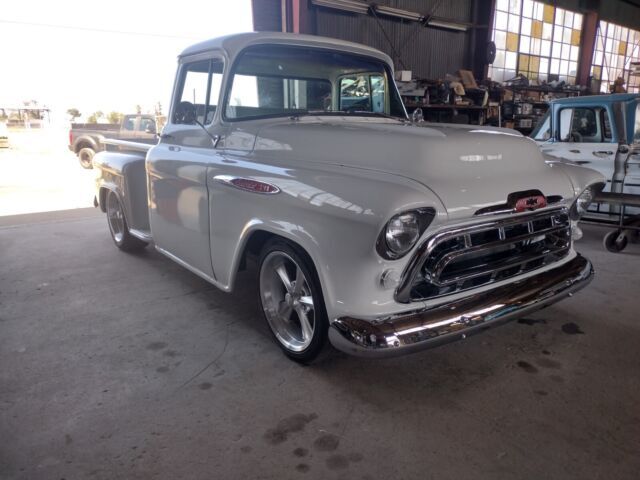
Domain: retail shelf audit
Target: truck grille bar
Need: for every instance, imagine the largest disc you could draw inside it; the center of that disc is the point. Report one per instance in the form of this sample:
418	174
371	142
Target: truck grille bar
476	255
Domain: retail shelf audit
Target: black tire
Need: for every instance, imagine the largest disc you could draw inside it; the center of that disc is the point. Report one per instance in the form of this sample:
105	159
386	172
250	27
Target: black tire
615	241
279	248
85	155
118	226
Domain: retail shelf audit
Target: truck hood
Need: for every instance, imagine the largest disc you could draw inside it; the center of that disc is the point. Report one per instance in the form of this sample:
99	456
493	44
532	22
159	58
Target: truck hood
467	167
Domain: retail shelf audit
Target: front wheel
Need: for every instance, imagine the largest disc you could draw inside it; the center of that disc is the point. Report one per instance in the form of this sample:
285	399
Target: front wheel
118	226
85	155
292	301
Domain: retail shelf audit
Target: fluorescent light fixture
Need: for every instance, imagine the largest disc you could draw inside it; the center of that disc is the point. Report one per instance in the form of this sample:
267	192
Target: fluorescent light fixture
398	13
353	6
446	24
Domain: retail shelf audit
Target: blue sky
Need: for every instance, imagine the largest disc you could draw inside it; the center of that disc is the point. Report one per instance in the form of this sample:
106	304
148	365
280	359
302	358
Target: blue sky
104	55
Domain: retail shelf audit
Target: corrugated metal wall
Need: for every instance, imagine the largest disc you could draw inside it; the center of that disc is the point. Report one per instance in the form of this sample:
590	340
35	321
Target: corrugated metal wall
428	52
267	15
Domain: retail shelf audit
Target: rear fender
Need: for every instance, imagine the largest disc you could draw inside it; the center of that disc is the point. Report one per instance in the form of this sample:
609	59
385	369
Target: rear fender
85	141
125	175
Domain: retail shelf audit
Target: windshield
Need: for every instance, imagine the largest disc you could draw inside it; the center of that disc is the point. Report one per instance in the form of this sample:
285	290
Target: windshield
270	81
542	132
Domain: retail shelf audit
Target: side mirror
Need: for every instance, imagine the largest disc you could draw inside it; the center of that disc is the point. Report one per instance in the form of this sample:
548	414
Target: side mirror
417	116
150	129
623	148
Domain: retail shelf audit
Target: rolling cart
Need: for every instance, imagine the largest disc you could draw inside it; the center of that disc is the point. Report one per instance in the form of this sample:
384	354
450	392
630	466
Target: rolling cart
618	209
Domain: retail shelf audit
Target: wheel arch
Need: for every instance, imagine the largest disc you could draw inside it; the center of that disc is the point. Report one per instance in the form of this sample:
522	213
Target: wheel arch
105	189
258	234
84	142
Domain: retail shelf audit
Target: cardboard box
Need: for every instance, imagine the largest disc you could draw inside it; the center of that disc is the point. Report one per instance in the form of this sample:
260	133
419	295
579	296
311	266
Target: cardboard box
403	75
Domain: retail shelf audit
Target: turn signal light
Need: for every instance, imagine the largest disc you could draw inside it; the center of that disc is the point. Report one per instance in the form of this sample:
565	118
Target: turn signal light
254	185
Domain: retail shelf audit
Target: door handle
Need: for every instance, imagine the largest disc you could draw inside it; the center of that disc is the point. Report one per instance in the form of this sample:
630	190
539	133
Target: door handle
574	151
602	153
582	162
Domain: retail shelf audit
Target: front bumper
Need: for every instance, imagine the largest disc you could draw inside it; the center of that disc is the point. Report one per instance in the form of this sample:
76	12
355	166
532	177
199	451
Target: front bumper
418	330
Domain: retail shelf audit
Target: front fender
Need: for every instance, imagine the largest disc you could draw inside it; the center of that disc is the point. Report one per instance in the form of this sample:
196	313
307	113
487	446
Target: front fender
335	215
579	176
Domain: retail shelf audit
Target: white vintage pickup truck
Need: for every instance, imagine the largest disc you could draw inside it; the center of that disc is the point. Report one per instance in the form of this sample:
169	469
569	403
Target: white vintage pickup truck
382	235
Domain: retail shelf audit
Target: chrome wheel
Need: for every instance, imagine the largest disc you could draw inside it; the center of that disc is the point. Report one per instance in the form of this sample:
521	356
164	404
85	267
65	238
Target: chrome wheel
287	301
115	215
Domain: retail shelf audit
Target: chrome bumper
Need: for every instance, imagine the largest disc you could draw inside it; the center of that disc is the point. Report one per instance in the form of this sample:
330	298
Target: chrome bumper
418	330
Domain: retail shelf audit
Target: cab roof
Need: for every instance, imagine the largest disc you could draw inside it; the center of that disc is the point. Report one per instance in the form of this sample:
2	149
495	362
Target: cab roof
610	98
234	44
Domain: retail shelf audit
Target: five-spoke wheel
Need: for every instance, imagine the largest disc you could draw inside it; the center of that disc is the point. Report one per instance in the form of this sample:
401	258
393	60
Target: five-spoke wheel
118	226
292	301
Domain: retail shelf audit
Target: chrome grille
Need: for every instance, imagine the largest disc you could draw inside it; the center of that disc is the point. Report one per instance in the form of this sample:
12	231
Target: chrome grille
468	257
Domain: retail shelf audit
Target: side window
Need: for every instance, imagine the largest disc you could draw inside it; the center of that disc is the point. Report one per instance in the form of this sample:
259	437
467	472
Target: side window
197	100
147	125
378	93
355	93
363	92
129	123
580	125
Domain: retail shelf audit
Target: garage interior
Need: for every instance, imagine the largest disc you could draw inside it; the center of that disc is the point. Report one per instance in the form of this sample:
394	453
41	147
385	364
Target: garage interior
129	366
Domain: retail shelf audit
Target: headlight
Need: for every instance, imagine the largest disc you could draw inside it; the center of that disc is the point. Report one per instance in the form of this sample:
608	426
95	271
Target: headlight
402	232
580	205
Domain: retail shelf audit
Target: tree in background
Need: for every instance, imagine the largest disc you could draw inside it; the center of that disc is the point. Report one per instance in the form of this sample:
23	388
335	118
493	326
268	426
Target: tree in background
158	109
74	113
115	117
138	109
93	118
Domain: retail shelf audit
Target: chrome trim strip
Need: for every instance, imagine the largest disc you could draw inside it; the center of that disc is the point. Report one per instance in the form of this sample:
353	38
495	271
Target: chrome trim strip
228	179
420	329
403	292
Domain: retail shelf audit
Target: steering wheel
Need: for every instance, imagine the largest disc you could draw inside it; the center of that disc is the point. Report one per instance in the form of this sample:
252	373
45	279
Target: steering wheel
575	137
185	113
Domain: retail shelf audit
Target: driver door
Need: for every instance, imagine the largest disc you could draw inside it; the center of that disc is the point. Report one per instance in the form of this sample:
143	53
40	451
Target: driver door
585	137
177	167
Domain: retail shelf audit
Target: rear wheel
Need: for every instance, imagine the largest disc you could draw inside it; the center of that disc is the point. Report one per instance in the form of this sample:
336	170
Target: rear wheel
118	226
292	301
85	155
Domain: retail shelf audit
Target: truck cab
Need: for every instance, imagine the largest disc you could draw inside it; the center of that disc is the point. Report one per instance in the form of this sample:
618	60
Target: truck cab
601	132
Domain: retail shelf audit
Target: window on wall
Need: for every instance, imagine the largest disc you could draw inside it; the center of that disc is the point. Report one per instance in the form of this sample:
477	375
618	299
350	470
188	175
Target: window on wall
616	48
536	40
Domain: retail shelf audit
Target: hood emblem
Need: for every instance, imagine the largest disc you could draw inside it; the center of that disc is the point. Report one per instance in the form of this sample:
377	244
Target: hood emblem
529	203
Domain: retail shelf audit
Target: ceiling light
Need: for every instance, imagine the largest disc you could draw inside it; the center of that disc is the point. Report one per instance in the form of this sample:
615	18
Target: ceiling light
353	6
446	24
398	13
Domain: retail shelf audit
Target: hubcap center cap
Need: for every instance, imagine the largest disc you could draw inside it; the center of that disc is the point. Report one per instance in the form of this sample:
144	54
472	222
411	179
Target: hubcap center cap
288	298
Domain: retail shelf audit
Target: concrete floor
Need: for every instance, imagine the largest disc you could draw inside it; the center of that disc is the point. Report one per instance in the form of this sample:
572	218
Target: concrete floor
122	366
